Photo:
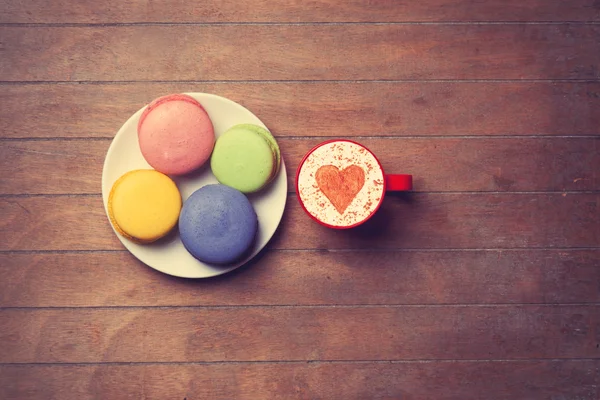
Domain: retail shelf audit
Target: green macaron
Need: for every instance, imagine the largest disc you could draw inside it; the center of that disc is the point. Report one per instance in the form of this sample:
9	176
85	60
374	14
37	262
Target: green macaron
246	157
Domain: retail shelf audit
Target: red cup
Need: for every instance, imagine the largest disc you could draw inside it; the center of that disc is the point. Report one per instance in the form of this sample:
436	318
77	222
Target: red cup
341	184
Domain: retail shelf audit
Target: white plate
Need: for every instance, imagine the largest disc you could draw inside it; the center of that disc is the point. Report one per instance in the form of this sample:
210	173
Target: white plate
168	255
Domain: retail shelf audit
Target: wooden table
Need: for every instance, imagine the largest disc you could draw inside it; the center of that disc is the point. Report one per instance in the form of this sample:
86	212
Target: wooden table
482	284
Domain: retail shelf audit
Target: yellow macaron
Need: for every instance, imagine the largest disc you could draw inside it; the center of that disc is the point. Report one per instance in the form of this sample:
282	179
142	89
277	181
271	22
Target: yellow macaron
144	205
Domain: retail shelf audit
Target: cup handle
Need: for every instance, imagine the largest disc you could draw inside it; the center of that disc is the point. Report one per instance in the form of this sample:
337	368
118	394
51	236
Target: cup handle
398	183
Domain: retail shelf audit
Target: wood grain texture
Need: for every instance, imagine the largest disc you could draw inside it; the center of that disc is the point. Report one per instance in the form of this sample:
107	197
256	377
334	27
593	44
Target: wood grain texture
320	108
445	165
180	11
502	380
483	284
308	278
287	52
425	221
298	333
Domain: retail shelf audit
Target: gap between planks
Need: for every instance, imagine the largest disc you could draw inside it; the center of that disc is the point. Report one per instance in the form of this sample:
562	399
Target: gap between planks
208	24
303	81
391	361
301	306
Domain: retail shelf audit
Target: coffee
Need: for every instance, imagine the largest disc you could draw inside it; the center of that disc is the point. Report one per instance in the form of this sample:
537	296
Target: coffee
340	183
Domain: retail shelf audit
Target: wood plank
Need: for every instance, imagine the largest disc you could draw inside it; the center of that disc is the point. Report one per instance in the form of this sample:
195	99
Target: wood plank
288	52
439	221
503	380
297	333
320	108
180	11
478	164
52	166
458	221
308	278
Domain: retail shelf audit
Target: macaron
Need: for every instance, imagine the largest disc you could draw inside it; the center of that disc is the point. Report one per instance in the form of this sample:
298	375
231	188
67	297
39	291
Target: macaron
218	224
246	157
175	134
144	205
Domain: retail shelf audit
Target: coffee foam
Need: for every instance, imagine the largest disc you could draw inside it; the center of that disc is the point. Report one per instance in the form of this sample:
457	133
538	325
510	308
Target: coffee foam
341	155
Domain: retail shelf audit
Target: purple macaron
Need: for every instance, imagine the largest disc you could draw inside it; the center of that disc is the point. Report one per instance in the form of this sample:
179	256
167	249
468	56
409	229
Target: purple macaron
217	224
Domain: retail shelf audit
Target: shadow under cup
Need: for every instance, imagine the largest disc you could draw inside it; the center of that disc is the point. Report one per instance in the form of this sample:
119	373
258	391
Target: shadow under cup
341	184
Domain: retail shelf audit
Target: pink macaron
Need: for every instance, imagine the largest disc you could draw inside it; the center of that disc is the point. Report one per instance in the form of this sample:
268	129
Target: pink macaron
175	134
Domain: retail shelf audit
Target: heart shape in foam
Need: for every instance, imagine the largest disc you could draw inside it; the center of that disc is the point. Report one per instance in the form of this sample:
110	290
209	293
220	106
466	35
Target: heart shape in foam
340	186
